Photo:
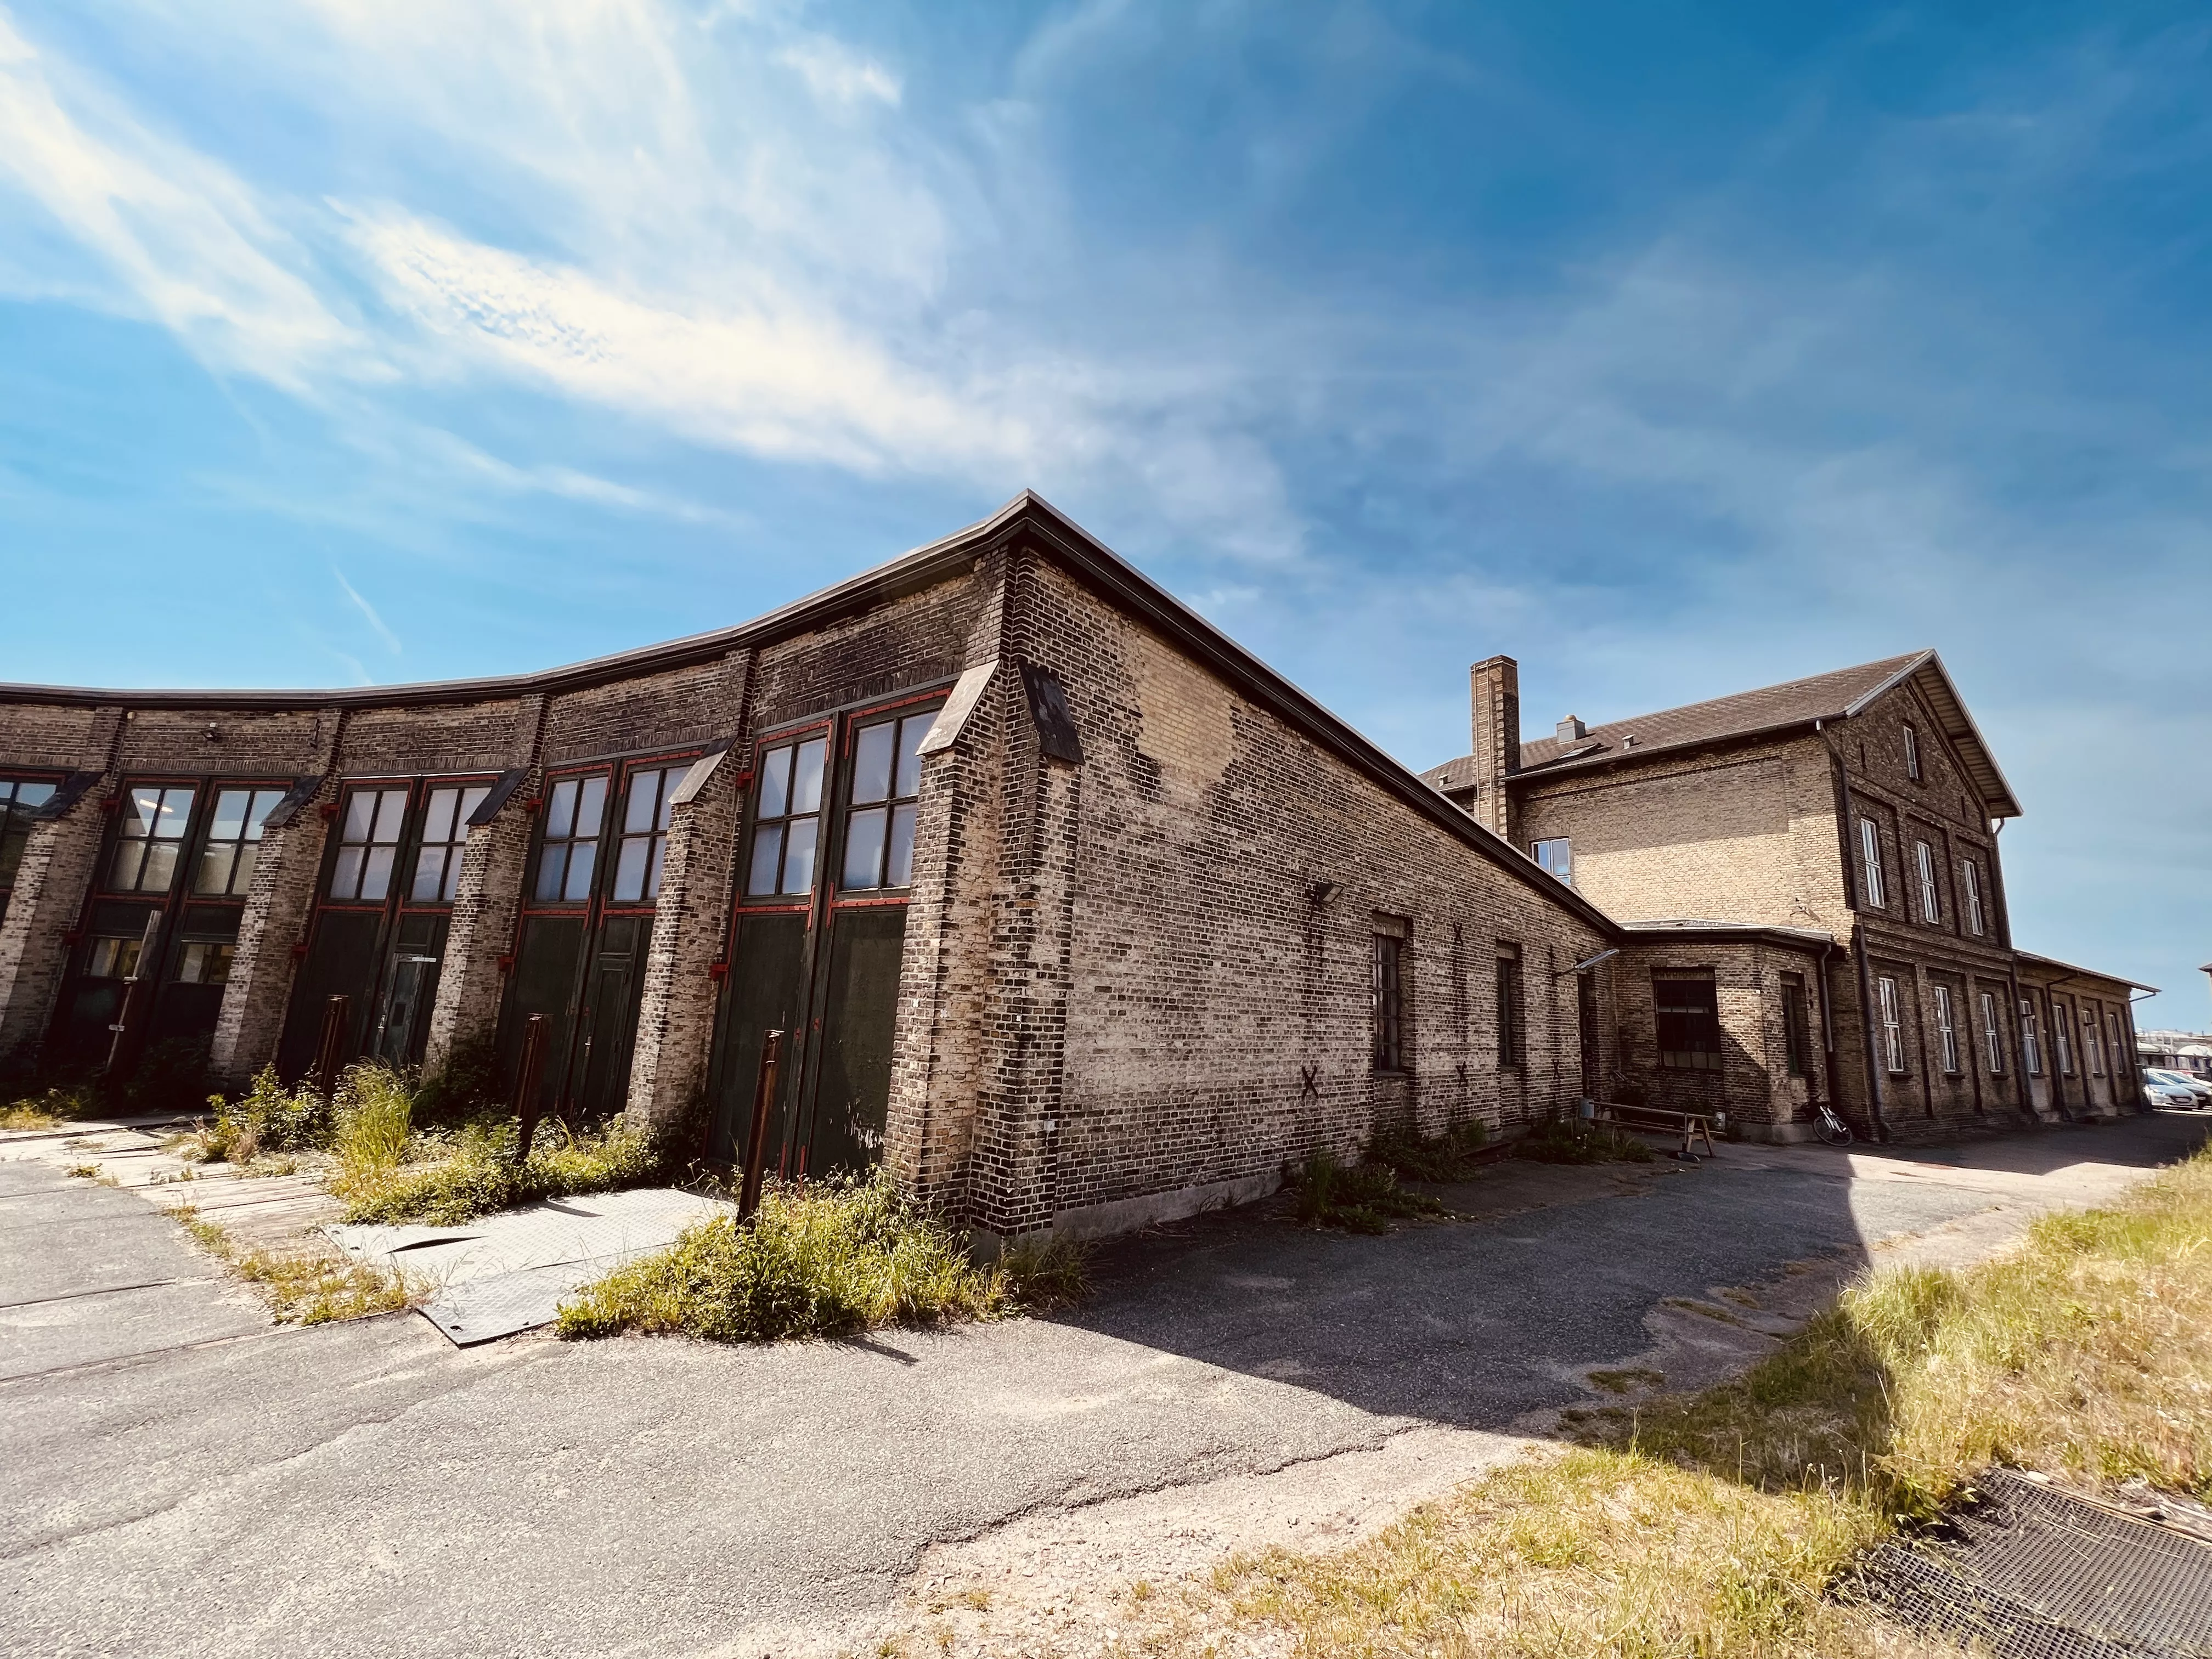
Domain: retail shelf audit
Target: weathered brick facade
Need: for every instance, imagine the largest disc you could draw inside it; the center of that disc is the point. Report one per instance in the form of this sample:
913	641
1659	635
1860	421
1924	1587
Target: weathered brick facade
1757	811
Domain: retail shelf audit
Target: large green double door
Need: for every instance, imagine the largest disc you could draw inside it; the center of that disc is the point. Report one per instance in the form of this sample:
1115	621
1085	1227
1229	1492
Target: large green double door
825	872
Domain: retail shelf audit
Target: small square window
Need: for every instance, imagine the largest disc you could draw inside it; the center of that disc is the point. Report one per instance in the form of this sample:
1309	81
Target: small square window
1555	856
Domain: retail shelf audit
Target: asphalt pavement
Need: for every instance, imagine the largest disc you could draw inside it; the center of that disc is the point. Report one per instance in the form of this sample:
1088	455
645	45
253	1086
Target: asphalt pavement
185	1479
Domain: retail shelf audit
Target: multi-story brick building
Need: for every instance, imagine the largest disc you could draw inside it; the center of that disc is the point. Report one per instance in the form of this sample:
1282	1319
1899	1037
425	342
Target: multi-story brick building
1861	808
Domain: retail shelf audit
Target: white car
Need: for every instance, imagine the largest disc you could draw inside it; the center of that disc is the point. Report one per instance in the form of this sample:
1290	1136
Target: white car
2177	1096
2199	1090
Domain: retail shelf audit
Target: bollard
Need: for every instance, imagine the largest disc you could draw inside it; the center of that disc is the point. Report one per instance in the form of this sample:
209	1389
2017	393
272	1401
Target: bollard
526	1084
330	1047
756	1139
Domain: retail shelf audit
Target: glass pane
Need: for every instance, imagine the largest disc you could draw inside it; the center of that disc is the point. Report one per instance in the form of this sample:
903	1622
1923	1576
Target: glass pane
590	805
32	794
264	803
644	802
188	964
806	776
215	868
453	871
241	874
230	806
7	790
912	730
124	876
775	782
141	811
345	877
900	872
360	815
391	813
799	855
160	868
430	872
652	876
11	849
872	762
581	857
176	812
864	842
100	964
669	779
376	873
561	813
630	868
552	867
438	817
768	854
471	798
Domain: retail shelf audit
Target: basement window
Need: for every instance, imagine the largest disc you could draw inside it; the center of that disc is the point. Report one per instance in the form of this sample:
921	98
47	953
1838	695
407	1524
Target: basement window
150	838
787	820
1686	1010
1556	857
234	842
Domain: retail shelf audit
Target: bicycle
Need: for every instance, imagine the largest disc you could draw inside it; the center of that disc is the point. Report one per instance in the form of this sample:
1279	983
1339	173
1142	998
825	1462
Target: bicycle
1832	1129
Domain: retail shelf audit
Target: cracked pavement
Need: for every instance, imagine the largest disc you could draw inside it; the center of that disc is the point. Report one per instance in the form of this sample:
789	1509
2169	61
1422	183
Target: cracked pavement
186	1478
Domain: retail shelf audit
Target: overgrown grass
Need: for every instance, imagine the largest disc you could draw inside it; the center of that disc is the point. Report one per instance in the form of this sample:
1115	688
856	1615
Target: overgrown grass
1360	1198
473	1171
823	1259
1571	1140
49	1108
306	1287
1455	1155
267	1118
1718	1525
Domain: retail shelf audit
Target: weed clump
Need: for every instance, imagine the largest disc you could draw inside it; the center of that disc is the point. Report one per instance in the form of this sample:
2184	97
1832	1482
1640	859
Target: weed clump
471	1172
267	1118
1571	1140
820	1259
1454	1155
305	1287
49	1108
1360	1198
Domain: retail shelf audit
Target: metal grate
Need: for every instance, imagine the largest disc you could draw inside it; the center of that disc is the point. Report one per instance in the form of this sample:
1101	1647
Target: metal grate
2037	1573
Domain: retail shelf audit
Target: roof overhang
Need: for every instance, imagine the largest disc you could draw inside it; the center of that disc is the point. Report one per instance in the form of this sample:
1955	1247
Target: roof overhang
2070	970
1702	931
1930	678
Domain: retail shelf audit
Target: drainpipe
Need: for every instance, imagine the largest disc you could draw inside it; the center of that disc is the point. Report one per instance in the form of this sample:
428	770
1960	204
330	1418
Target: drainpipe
1828	1029
1843	794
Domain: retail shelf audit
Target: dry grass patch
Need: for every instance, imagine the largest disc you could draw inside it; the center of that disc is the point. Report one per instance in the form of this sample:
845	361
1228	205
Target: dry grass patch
822	1259
306	1286
50	1108
1721	1525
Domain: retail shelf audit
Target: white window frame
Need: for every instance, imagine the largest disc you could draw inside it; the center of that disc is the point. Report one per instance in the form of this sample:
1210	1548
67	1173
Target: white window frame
2094	1042
1556	855
1893	1027
2030	1048
1946	1025
1931	901
1973	873
1877	896
2058	1017
1911	754
1992	1041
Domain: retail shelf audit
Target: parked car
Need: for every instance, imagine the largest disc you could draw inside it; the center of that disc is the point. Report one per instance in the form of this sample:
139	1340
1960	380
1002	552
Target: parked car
2199	1090
2177	1096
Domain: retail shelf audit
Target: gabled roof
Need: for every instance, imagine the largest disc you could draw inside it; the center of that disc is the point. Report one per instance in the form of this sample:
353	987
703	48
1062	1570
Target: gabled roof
1770	710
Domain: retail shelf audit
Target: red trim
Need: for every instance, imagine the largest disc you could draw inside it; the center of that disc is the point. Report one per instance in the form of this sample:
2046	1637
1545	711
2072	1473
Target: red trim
870	903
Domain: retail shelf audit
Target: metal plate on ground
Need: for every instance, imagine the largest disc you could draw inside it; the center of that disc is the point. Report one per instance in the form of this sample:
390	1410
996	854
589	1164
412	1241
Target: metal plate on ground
498	1275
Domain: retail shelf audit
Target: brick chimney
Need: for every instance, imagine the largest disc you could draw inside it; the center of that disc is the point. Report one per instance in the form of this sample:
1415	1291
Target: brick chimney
1494	688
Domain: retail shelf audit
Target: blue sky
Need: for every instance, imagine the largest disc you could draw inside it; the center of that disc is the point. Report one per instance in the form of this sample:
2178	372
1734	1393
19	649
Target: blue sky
1672	348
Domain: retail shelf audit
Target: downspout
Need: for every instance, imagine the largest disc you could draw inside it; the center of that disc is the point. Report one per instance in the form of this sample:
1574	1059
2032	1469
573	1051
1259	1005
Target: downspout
1828	1028
1858	934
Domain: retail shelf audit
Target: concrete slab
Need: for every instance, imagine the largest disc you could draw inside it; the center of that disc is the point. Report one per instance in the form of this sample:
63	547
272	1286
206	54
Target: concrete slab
503	1273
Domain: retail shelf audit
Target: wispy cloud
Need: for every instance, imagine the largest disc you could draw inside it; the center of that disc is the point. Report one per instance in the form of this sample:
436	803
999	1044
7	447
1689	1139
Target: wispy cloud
368	611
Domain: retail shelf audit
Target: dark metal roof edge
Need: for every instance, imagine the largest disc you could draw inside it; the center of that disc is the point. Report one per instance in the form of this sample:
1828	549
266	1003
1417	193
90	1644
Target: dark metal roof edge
919	567
1702	931
1125	585
2085	973
1553	768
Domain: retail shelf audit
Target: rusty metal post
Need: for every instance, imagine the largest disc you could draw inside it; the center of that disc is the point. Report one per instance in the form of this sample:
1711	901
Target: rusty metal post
329	1046
526	1084
756	1140
126	1017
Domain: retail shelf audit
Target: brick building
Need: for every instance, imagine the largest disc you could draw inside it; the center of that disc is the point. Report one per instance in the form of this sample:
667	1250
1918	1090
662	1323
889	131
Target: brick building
1076	915
1860	808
